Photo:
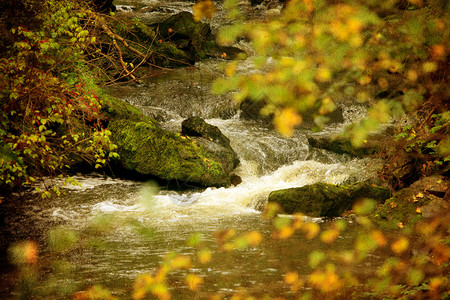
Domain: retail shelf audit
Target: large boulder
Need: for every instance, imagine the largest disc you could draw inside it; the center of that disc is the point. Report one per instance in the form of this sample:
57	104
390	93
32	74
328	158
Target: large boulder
326	200
195	39
211	138
146	151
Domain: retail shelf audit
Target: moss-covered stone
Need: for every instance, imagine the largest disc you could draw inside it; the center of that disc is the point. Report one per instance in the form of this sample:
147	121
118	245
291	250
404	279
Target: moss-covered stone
211	138
117	109
326	200
149	150
182	39
409	205
196	126
342	145
146	150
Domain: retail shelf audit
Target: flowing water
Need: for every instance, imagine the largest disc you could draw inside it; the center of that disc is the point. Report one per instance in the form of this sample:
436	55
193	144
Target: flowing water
127	227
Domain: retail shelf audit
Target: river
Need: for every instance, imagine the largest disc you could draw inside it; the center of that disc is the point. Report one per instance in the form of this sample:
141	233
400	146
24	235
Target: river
125	228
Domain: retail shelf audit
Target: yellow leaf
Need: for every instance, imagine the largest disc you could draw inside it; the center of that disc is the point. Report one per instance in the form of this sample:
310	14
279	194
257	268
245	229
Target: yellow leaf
329	236
383	83
180	262
204	256
327	106
290	277
203	9
354	25
379	238
286	120
254	238
230	69
293	280
285	232
429	67
364	80
311	230
161	291
271	210
24	252
412	75
400	245
418	210
436	282
323	75
194	281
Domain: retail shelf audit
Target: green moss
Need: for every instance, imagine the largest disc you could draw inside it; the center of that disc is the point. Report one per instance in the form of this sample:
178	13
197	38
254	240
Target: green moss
398	213
150	150
117	109
326	200
341	146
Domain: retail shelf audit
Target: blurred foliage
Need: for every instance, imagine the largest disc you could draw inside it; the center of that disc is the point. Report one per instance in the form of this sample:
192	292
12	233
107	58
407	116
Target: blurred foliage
390	55
409	265
318	55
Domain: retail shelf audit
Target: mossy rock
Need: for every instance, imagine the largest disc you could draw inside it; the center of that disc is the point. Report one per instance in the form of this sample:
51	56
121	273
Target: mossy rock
326	200
342	145
148	150
193	40
196	126
211	138
422	199
117	109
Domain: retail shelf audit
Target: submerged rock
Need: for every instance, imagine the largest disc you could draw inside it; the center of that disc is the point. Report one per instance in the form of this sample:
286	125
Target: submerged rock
342	145
146	150
251	110
326	200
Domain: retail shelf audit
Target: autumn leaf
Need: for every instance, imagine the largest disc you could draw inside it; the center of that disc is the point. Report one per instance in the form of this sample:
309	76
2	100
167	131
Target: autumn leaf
24	252
180	262
311	230
400	245
194	281
286	120
285	232
204	256
292	278
203	9
327	106
254	238
379	238
329	236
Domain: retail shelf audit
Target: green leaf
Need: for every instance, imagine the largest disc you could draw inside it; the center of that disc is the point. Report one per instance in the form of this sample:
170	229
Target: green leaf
315	258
